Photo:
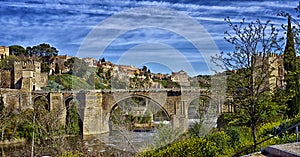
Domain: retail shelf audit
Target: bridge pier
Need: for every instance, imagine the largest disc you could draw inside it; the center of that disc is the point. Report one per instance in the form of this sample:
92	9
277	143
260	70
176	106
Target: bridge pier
94	121
180	118
56	102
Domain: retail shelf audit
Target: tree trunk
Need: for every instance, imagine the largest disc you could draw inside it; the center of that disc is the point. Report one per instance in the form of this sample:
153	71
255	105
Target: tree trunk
253	127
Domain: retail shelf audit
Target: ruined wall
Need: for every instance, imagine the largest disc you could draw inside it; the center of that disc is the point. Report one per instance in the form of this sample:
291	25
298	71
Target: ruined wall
5	79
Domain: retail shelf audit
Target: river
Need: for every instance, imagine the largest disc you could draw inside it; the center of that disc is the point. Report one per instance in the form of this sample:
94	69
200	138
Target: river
115	143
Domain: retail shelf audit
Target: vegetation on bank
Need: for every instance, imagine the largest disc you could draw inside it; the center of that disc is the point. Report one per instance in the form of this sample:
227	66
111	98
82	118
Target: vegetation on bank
226	141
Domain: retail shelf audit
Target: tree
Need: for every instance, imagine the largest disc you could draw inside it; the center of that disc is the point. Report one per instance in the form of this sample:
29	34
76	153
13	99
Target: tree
78	67
73	121
8	62
292	79
56	68
17	50
45	67
42	50
1	102
251	69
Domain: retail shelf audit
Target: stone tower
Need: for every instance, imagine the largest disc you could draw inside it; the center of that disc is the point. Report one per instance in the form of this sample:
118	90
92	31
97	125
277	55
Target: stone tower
27	76
275	67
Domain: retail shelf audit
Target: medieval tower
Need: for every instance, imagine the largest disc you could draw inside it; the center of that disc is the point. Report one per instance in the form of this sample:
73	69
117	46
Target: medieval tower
27	76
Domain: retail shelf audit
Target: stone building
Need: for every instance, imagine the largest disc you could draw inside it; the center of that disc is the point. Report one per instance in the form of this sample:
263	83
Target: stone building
27	76
275	67
4	51
180	77
60	60
160	76
91	62
129	71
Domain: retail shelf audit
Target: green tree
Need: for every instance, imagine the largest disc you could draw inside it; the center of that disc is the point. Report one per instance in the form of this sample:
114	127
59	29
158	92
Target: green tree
45	68
73	121
1	102
291	67
100	72
8	62
42	50
56	68
17	50
78	67
251	69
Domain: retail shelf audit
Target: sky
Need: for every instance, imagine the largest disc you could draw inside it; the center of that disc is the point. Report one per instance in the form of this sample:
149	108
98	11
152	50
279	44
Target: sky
163	35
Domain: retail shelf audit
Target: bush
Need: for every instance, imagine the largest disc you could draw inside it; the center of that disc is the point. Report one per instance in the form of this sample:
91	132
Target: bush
189	147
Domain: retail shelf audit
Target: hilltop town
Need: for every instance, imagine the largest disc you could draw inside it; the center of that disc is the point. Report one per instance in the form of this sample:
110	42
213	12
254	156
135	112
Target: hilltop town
30	72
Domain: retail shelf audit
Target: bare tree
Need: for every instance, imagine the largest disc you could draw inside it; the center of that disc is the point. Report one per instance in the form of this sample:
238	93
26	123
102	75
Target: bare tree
251	68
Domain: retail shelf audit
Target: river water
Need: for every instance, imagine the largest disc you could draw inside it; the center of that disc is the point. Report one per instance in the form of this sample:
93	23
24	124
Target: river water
119	142
115	143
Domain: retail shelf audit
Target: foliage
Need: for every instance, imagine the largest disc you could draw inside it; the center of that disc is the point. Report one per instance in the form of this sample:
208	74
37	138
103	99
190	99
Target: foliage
42	50
165	135
138	82
17	50
78	66
8	62
292	76
250	68
56	69
45	68
73	121
188	147
1	103
169	84
195	130
70	154
70	81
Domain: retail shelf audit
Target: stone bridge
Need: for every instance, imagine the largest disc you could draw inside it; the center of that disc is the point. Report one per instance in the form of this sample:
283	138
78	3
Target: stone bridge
95	106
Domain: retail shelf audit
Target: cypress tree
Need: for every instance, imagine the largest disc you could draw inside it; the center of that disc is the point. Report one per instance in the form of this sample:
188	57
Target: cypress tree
290	65
1	102
56	68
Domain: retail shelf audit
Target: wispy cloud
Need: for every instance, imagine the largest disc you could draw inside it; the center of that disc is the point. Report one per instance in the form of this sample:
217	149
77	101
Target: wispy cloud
65	24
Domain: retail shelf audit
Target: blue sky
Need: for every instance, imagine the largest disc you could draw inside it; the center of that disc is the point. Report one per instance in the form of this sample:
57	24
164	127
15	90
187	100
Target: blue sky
68	24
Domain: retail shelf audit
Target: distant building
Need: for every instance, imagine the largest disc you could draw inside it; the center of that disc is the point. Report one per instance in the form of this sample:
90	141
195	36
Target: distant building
4	51
60	60
92	62
130	71
106	65
27	76
160	76
180	77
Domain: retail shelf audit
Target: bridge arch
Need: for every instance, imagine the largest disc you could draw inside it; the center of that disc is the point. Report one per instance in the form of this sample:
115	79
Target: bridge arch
157	110
197	97
73	116
42	99
115	104
197	108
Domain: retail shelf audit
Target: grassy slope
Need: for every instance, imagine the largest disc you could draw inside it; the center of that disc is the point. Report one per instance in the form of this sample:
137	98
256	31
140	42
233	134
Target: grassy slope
74	82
